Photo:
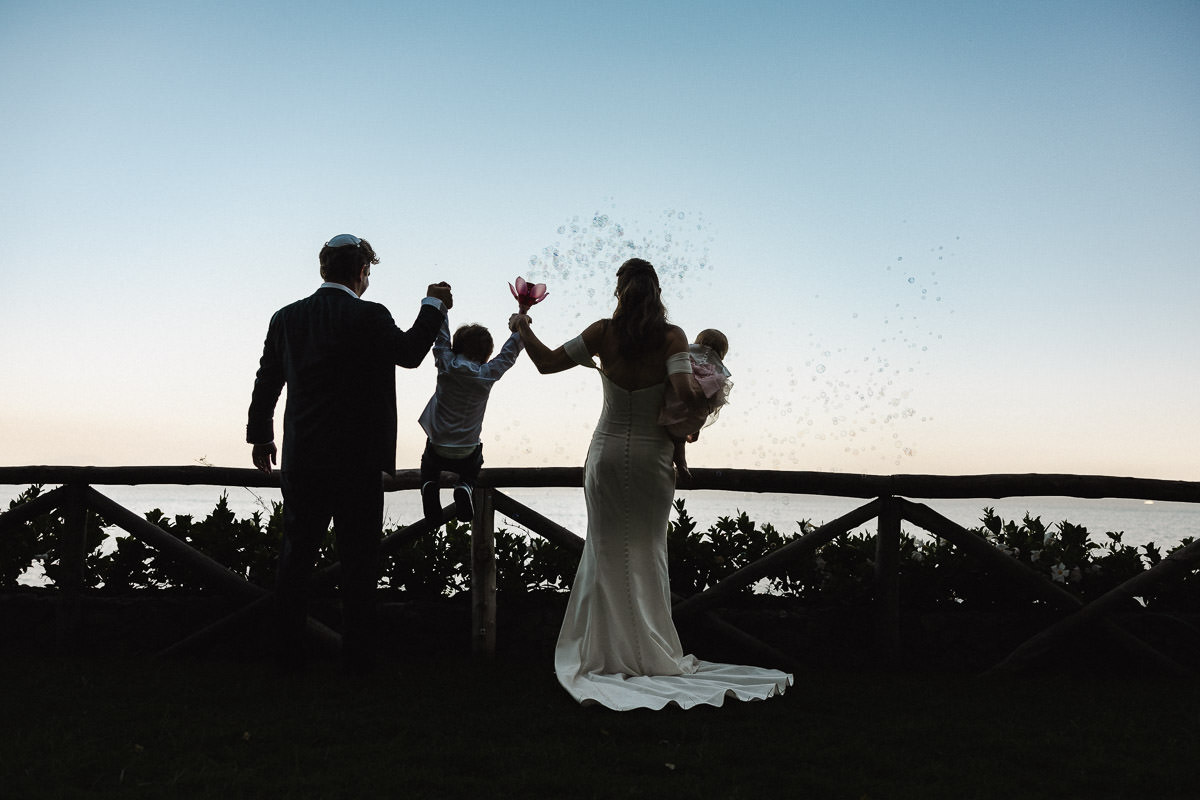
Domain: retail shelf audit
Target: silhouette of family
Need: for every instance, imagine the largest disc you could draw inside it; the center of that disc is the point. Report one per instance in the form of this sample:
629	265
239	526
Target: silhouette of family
336	353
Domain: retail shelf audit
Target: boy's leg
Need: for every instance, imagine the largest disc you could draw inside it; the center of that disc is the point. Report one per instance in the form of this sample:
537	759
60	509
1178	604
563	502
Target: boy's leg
468	472
431	475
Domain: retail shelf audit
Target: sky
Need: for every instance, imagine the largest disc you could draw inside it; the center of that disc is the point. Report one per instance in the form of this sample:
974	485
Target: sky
942	237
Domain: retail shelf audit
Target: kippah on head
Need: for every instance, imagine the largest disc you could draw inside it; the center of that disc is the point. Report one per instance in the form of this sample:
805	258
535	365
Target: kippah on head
344	240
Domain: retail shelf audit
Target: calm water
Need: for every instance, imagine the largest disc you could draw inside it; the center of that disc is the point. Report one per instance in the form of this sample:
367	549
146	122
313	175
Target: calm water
1163	523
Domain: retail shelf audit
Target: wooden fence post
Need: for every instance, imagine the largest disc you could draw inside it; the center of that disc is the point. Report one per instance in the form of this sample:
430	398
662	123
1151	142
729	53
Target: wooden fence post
72	557
887	580
483	574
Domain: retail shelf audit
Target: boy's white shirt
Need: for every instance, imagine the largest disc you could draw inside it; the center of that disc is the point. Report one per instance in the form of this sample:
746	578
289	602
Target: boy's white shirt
453	417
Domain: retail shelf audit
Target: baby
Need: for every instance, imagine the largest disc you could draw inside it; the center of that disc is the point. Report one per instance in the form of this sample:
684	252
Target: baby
707	356
453	418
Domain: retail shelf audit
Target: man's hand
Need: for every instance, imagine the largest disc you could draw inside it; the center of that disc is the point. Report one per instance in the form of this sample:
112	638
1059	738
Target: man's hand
514	321
441	291
264	456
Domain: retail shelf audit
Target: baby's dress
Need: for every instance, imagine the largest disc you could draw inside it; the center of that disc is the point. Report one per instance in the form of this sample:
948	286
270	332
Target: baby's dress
715	384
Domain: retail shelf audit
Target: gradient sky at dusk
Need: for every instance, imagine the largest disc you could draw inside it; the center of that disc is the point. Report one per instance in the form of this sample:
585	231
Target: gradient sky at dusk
942	237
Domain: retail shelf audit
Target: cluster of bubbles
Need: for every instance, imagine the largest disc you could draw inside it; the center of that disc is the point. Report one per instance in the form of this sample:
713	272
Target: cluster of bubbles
863	400
588	252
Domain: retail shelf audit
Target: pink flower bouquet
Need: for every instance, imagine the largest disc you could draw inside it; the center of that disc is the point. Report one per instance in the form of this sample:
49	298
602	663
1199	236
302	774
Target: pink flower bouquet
527	294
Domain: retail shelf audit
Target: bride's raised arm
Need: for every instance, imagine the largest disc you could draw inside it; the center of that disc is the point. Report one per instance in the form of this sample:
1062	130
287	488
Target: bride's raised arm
556	360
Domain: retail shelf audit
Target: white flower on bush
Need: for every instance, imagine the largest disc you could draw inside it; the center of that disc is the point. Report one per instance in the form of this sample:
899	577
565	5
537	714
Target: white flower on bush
1059	572
1035	555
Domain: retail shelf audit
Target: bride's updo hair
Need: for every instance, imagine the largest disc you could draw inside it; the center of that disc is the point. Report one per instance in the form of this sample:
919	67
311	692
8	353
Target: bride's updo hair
640	320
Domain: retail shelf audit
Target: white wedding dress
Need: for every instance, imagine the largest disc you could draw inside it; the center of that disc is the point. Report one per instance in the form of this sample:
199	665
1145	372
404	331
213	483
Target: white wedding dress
618	645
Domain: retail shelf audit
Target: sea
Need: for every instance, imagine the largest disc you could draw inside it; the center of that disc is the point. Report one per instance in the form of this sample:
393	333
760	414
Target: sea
1140	522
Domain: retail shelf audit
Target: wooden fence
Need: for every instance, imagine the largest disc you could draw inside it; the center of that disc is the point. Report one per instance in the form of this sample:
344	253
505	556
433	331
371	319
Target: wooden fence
888	503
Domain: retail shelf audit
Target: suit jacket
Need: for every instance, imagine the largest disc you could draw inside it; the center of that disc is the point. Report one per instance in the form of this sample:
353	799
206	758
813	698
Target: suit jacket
338	356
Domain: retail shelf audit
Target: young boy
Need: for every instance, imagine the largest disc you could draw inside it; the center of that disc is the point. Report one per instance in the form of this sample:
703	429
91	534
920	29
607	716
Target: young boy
453	418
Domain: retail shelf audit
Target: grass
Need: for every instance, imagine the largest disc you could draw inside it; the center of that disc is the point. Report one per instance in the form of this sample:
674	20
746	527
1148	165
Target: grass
450	726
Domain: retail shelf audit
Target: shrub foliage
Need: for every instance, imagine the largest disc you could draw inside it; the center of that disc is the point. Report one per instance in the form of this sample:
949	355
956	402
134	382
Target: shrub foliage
933	573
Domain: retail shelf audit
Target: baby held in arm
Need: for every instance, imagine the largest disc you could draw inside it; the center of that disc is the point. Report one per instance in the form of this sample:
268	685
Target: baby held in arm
683	423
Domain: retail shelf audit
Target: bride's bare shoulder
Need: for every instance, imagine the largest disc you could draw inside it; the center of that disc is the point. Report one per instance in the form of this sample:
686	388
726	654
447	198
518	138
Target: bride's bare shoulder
676	339
593	334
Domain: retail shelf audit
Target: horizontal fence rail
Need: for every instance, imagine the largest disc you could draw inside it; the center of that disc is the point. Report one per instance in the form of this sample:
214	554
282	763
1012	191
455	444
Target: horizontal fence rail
835	484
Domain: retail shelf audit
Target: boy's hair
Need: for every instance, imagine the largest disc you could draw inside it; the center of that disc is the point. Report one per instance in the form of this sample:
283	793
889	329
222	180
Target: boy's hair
473	342
711	337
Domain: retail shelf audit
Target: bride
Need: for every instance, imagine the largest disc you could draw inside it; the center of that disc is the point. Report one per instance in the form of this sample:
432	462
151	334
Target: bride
618	645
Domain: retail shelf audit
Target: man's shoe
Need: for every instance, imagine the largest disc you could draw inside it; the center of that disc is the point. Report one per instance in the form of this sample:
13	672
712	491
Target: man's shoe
431	502
462	502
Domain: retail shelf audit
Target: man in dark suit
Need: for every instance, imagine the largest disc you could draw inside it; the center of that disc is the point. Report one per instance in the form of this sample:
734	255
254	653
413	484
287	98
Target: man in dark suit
337	355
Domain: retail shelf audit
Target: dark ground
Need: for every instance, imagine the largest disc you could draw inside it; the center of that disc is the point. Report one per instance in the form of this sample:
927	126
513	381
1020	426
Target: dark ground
803	636
105	716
